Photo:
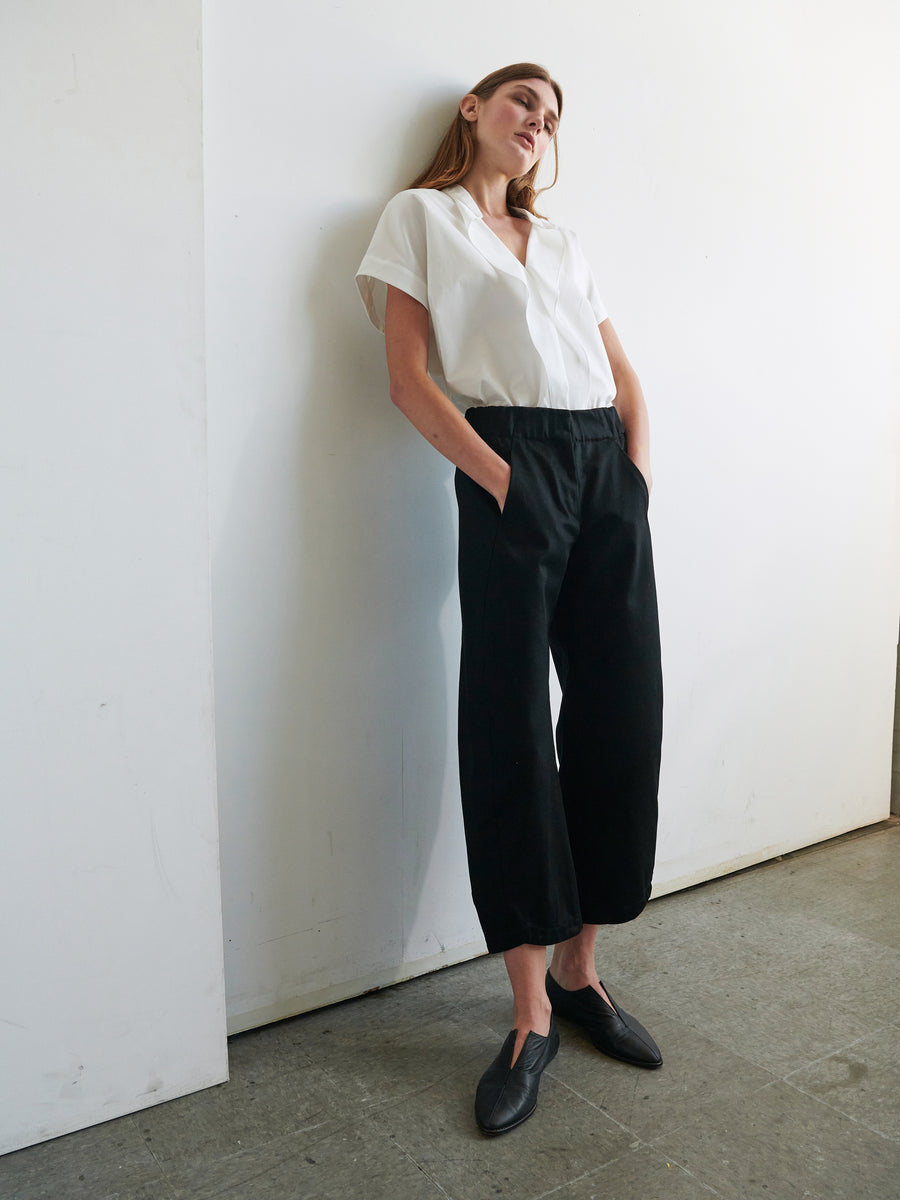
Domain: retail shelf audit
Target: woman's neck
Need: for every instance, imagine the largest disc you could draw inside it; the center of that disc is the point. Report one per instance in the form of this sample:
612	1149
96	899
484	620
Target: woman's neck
488	190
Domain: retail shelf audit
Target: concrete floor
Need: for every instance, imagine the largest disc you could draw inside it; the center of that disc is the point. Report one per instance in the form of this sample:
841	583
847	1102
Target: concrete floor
774	997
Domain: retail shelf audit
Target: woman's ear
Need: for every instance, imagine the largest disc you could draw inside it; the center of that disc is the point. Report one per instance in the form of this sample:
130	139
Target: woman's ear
468	106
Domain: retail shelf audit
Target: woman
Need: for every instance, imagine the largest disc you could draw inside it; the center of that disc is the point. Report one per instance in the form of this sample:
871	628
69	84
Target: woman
491	310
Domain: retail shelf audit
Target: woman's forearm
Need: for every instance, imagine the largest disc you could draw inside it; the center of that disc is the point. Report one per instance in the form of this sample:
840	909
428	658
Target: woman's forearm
420	399
444	426
629	402
632	410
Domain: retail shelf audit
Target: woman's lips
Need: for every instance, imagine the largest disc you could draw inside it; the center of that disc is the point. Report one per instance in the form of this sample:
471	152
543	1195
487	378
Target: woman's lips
527	139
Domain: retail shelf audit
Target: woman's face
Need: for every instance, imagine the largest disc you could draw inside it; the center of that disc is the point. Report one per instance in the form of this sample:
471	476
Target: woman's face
515	125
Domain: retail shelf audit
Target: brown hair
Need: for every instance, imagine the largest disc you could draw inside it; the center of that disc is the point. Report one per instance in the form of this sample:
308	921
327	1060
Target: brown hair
455	155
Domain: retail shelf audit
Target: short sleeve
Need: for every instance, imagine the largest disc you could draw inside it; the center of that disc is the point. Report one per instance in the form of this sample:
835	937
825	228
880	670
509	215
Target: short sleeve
597	306
397	255
588	282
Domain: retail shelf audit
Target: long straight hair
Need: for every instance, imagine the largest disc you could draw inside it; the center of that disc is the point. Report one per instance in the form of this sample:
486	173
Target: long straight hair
455	155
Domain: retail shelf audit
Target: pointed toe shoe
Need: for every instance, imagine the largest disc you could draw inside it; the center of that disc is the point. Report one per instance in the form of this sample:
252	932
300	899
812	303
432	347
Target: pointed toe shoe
612	1030
507	1094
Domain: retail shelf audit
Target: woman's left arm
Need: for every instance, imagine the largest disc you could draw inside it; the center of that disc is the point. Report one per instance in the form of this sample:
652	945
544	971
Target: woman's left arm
629	402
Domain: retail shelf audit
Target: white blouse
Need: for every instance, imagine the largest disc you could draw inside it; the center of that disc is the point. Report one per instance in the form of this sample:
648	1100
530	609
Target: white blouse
500	333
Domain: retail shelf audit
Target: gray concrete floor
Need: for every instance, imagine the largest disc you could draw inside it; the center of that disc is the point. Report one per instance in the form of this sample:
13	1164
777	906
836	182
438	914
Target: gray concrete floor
774	997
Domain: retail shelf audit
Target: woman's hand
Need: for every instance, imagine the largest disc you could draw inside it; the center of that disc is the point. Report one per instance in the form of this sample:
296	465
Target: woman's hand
642	462
501	494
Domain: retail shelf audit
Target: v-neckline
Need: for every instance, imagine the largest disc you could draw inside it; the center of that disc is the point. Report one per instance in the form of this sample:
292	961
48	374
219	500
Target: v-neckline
475	208
523	262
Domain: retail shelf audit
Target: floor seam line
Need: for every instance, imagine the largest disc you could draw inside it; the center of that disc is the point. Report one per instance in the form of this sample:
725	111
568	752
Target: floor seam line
840	1050
419	1166
892	1141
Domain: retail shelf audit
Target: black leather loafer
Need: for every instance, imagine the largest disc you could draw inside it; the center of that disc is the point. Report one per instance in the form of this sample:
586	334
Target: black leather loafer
612	1030
507	1095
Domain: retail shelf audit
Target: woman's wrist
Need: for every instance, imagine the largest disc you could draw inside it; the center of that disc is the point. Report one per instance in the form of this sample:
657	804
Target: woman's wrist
500	489
641	460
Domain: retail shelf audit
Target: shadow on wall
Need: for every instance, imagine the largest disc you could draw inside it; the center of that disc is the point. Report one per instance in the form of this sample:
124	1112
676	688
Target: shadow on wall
345	665
377	525
357	755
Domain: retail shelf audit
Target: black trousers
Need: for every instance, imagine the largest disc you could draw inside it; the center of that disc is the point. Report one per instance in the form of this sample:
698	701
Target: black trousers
567	569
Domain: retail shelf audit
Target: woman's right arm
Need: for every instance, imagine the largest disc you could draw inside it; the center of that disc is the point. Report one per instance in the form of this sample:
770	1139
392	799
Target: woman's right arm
420	399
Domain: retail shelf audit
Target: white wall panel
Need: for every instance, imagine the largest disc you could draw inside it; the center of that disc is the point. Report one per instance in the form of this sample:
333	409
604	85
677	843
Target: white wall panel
726	169
111	951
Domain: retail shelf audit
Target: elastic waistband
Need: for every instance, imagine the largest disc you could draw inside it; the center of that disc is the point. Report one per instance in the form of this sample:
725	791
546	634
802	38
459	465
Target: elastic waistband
580	425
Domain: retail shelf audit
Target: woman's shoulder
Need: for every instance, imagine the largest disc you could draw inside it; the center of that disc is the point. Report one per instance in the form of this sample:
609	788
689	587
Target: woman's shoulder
418	200
410	213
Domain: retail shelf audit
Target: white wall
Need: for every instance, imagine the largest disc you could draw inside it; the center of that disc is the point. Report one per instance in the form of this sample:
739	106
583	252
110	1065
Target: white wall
112	993
727	167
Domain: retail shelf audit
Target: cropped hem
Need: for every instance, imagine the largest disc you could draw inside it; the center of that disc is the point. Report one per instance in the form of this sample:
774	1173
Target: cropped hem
510	937
618	916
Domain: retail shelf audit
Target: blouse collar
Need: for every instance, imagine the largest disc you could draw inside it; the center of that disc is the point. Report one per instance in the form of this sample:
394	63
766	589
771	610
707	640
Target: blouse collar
492	248
467	202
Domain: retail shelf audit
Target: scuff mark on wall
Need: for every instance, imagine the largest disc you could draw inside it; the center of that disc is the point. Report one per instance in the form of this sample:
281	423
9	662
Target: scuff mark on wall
70	91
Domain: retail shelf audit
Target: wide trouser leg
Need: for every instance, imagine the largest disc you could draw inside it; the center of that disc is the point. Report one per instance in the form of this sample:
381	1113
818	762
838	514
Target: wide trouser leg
511	567
539	842
605	642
